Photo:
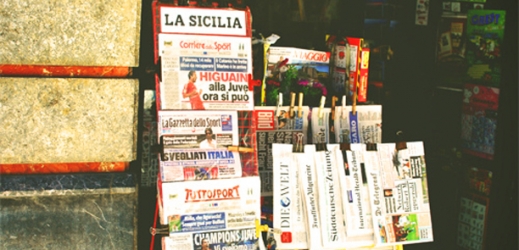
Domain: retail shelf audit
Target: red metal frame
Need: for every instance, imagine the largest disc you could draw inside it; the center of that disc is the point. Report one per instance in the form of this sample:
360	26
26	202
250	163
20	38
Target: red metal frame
64	71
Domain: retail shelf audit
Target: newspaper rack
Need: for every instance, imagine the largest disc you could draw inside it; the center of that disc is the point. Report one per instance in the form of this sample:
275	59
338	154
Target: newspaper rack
246	146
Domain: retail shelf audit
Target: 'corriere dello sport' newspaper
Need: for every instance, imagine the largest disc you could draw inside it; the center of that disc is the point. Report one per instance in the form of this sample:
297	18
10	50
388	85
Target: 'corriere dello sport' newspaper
205	72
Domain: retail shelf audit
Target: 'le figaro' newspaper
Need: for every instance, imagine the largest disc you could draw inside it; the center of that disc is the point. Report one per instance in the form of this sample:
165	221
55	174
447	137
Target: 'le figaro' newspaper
217	214
276	125
397	182
205	72
365	126
195	145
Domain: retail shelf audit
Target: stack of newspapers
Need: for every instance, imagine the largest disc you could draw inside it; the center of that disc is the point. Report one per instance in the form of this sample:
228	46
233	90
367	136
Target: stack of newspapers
349	196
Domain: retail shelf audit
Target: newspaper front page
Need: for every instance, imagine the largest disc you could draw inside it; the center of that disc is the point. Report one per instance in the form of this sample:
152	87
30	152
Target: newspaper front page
221	213
333	233
275	125
363	127
399	197
354	190
205	72
195	145
289	216
309	191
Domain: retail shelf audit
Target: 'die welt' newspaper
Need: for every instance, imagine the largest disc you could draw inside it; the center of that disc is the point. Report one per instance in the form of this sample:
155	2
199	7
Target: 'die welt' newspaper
205	72
220	214
195	145
397	181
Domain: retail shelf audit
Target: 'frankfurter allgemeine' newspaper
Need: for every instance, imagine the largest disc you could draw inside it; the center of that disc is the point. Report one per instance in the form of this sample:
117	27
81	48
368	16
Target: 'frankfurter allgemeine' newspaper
221	213
276	125
397	181
205	72
195	145
310	195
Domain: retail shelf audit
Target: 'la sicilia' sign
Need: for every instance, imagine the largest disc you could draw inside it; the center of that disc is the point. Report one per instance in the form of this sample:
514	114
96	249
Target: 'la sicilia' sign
202	21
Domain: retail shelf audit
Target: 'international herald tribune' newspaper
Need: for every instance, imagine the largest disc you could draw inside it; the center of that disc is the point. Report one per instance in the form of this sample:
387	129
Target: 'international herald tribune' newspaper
399	197
355	194
205	72
363	127
275	125
215	205
195	145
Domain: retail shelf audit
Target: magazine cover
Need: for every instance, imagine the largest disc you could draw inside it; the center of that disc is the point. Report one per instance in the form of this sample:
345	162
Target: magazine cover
275	125
479	120
289	216
397	181
218	205
485	32
296	70
205	72
195	145
363	127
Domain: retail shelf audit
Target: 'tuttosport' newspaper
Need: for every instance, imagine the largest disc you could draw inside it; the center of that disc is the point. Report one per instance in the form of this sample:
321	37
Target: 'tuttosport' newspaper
219	213
195	145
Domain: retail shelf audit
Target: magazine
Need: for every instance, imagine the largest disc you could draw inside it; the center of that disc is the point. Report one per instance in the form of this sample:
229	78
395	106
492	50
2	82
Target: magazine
289	216
363	127
397	182
221	205
479	120
274	125
296	70
205	72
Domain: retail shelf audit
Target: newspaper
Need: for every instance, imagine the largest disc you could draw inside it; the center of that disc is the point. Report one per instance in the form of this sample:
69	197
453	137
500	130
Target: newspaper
308	183
205	72
354	188
289	216
333	231
397	183
197	164
195	145
322	127
221	212
274	125
363	127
